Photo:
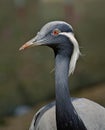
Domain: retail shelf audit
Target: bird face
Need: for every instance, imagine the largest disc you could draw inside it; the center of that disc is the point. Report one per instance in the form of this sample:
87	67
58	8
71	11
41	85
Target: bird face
59	36
52	34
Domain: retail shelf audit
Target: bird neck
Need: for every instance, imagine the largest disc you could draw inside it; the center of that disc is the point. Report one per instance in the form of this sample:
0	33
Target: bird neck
66	116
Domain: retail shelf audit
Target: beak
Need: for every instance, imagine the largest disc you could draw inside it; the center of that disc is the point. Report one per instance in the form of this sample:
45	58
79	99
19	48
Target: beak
31	43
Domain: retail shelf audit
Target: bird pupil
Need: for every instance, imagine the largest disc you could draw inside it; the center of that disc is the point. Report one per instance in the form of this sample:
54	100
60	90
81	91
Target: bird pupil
56	32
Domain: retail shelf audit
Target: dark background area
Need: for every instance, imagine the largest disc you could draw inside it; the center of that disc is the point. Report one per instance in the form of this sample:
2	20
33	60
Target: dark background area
25	77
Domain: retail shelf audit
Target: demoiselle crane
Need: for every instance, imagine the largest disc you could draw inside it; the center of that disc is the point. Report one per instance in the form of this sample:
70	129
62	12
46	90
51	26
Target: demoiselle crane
65	113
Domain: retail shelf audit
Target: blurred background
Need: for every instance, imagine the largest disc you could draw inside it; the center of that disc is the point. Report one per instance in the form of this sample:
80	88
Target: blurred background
26	81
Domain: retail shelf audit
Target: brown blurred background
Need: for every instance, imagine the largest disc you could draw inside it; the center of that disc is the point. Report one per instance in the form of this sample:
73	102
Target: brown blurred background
25	79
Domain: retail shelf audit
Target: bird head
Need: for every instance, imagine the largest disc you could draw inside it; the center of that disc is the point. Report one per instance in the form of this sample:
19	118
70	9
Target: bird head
51	35
59	36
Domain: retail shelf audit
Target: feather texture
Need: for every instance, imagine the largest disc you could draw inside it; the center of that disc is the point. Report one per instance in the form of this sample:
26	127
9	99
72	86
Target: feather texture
76	51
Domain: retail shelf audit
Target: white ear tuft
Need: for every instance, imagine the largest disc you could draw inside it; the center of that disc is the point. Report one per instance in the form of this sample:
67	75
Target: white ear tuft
76	51
75	55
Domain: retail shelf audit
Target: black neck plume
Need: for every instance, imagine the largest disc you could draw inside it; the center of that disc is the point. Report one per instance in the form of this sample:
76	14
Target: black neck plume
66	116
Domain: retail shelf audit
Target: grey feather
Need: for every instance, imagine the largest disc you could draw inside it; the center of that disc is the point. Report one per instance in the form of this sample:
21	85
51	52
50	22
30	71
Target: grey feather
91	113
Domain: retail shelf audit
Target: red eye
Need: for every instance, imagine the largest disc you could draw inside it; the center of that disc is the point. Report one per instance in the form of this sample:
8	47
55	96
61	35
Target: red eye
56	32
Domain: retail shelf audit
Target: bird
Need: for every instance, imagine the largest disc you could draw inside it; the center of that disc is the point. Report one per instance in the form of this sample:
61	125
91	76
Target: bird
66	112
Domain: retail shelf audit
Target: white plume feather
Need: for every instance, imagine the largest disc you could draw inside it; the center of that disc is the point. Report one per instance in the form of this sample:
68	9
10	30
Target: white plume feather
76	51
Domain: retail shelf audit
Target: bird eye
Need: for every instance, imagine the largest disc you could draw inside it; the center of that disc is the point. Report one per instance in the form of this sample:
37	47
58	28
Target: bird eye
56	32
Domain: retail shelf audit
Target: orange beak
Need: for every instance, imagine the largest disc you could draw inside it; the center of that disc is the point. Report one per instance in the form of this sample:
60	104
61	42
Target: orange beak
26	45
31	43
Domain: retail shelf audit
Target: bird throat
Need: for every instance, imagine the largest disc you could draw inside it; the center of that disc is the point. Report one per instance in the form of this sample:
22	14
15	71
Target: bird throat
66	116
